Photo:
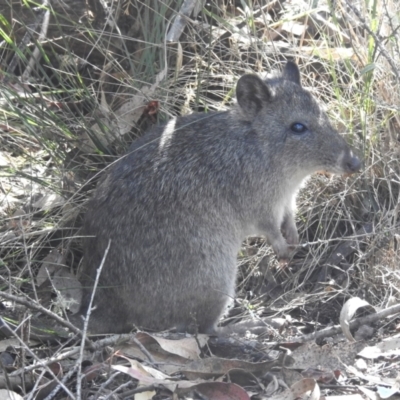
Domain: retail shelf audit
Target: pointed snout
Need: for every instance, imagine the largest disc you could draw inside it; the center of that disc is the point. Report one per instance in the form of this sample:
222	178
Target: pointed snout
351	164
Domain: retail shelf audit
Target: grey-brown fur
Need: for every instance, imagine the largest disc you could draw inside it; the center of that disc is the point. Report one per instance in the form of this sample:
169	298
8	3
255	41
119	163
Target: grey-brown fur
179	205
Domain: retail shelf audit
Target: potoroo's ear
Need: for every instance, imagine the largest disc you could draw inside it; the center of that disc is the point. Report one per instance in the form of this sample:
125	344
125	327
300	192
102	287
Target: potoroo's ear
291	72
252	93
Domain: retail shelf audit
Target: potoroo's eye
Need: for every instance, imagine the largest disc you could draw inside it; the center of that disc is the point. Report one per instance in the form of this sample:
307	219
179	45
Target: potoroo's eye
298	128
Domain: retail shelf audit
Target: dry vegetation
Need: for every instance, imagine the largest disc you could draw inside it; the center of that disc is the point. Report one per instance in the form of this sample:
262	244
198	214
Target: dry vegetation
80	81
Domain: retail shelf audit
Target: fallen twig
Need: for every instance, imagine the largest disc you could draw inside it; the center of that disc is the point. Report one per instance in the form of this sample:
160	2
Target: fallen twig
334	330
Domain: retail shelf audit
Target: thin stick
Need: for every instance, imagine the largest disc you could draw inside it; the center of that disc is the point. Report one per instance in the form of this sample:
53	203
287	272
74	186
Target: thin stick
181	20
42	36
37	307
86	323
66	377
376	39
39	363
29	303
334	330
